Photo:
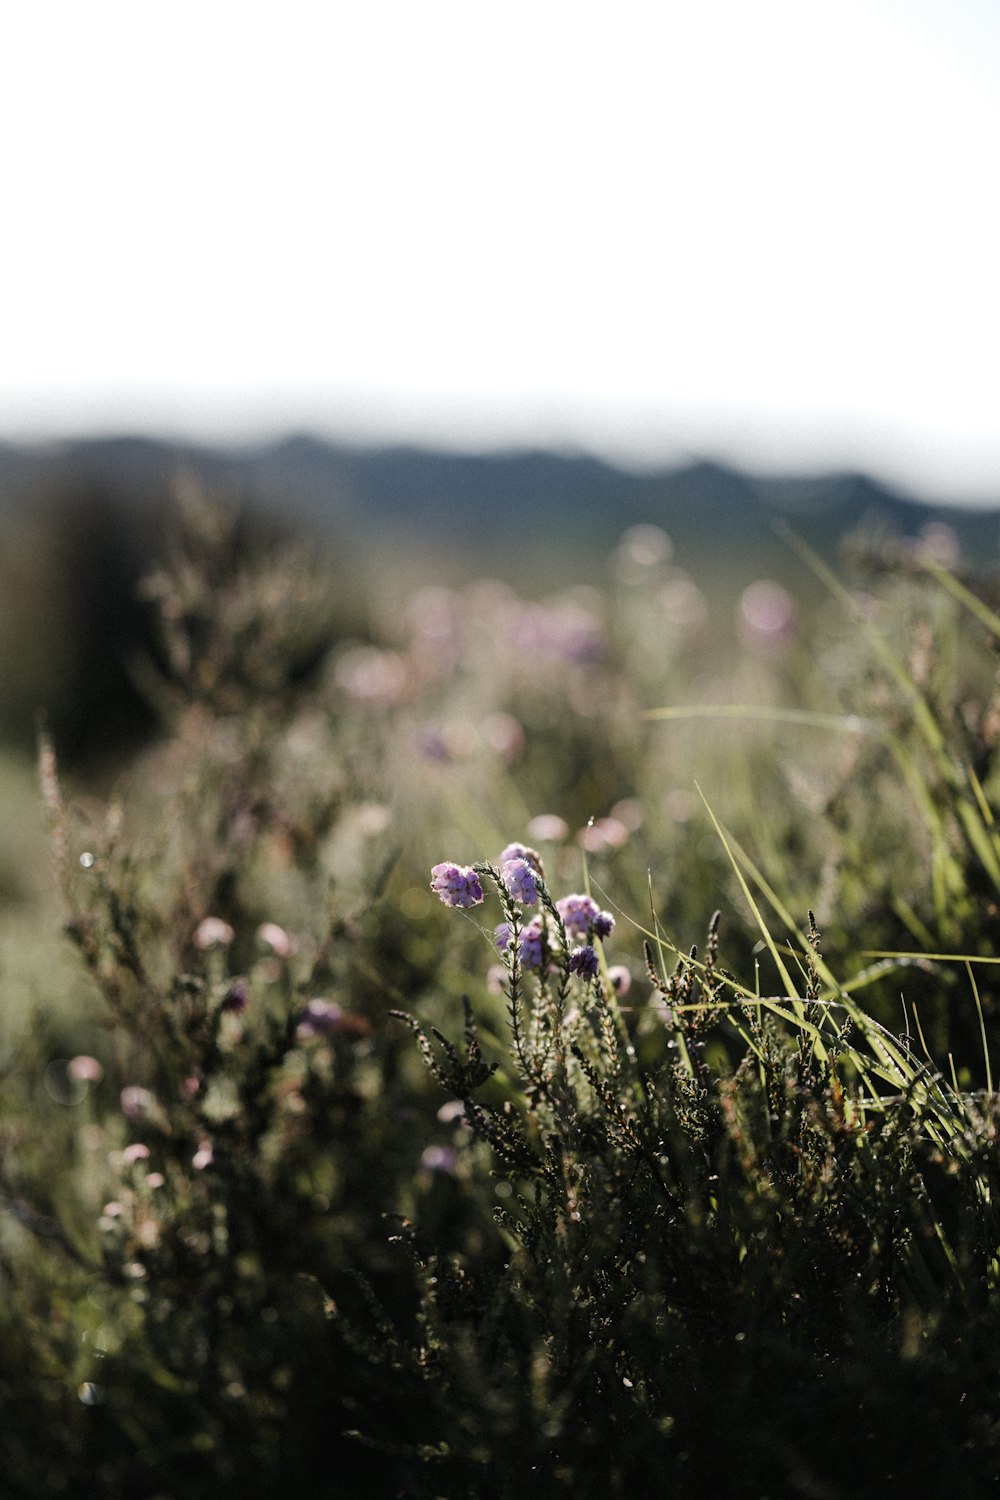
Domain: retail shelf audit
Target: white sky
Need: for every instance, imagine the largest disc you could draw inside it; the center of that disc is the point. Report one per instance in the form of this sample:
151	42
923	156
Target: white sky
763	230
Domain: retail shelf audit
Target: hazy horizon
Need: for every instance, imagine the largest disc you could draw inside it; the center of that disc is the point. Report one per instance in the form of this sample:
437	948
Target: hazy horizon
759	235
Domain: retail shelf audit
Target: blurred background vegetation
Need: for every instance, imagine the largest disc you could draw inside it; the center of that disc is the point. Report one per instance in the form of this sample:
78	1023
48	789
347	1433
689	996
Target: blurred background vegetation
81	523
261	733
500	625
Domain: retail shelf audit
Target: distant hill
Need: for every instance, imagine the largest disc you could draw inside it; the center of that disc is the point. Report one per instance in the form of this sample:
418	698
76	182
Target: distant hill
80	524
518	499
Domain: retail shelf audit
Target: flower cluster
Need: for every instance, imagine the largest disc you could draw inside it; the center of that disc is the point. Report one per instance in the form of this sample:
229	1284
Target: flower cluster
456	885
533	942
583	961
582	916
520	879
521	851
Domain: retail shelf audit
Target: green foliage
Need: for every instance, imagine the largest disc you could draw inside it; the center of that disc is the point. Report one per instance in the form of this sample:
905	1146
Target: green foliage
308	1183
746	1278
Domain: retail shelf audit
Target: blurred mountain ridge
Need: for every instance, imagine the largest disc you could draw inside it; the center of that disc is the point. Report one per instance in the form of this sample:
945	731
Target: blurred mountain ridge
82	522
368	491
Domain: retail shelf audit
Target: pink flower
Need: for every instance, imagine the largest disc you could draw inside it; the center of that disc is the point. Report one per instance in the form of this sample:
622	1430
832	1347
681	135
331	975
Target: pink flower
213	932
439	1159
137	1103
548	828
85	1069
276	938
621	979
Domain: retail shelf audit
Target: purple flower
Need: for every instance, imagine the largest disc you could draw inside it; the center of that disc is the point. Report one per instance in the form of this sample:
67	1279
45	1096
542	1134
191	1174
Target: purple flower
521	851
440	1159
456	885
582	915
603	924
236	998
519	878
432	744
577	913
583	961
532	944
326	1018
530	948
320	1018
495	976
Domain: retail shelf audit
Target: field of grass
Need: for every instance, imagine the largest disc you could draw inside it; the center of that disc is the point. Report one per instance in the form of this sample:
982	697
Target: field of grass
512	1046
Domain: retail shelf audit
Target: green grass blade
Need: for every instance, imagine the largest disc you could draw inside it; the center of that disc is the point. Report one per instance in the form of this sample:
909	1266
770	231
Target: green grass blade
772	946
810	718
982	1028
926	722
969	813
965	596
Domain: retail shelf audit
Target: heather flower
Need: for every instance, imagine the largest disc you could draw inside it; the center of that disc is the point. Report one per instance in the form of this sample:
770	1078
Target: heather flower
603	924
577	912
620	978
432	745
320	1018
583	961
276	938
213	932
581	916
548	828
504	735
137	1103
451	1113
577	635
605	833
84	1069
519	878
327	1018
372	677
204	1155
456	885
521	851
236	1000
439	1159
532	944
